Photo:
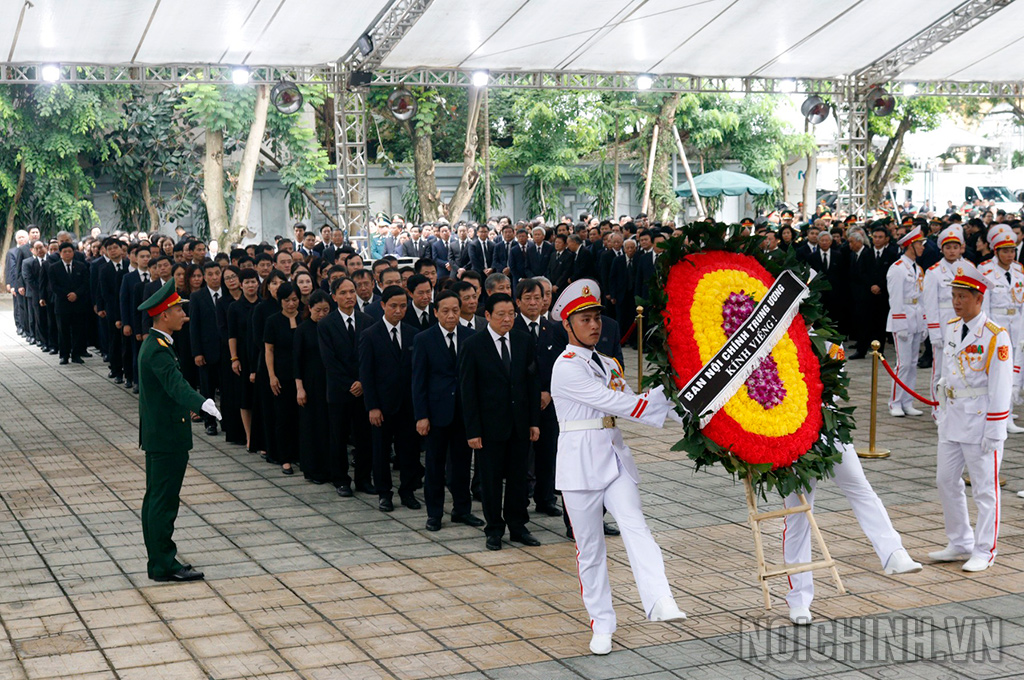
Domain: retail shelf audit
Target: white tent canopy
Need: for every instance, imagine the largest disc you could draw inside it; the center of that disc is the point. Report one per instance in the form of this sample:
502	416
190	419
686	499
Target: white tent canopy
726	38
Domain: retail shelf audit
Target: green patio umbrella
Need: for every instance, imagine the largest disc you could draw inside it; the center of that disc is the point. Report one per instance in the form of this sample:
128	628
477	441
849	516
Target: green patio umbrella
724	182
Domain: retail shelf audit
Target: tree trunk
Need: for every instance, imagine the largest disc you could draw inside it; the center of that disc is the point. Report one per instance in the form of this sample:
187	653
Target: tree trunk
147	197
305	192
784	182
615	162
663	197
213	185
426	181
470	175
11	212
247	171
885	163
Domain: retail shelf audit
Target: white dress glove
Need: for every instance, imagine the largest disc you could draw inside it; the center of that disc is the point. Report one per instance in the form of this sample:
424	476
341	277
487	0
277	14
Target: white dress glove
211	408
990	445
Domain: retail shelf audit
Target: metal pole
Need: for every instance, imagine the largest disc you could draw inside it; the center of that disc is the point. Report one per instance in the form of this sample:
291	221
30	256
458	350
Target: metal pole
640	349
487	154
650	171
871	451
701	212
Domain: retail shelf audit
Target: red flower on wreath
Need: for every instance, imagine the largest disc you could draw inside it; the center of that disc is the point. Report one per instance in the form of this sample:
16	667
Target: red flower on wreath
776	416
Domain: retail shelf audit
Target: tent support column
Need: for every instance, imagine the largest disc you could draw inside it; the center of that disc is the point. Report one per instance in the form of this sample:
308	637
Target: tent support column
351	187
852	114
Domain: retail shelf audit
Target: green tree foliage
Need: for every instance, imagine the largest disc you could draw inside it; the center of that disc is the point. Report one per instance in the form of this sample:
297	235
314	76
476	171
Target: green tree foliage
917	114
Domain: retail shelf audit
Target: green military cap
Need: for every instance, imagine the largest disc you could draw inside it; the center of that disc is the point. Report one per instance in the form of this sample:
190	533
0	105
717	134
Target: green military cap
162	300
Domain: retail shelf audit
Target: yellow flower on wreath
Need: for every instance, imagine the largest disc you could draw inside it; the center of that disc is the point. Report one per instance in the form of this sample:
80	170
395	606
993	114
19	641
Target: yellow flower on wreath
709	298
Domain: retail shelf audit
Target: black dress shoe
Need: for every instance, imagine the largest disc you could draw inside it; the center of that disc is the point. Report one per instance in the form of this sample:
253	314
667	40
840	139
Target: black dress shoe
433	524
494	542
288	471
64	361
318	482
211	430
110	374
609	530
345	491
365	488
118	381
469	519
86	355
385	504
569	534
411	502
271	460
525	538
54	350
549	510
77	360
128	384
182	575
135	389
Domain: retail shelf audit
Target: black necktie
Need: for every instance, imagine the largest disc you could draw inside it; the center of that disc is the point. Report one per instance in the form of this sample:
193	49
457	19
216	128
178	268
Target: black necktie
1009	279
351	327
506	358
469	325
145	277
69	270
424	319
394	339
117	267
597	360
451	345
533	328
963	333
216	296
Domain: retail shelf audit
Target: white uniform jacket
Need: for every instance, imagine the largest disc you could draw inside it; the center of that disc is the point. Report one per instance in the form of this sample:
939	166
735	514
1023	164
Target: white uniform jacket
1005	297
905	283
977	376
938	297
588	460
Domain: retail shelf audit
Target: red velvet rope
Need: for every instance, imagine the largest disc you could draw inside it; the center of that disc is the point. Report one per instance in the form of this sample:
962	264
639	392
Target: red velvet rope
900	383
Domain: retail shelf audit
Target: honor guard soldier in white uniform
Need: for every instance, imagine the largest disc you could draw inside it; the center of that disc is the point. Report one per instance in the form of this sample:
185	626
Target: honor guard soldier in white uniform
938	296
867	508
1005	300
905	282
595	469
974	405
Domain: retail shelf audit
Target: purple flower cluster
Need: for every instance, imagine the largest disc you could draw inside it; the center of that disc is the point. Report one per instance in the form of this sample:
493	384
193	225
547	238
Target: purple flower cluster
763	385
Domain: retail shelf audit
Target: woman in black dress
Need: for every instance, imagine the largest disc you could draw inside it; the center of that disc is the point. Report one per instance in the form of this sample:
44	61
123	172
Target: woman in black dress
279	341
311	393
239	341
230	390
263	415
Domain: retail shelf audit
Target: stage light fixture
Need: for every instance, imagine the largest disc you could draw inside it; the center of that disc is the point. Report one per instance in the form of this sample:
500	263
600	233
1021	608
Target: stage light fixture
644	81
815	110
402	104
286	97
909	89
51	73
480	78
880	102
240	75
365	44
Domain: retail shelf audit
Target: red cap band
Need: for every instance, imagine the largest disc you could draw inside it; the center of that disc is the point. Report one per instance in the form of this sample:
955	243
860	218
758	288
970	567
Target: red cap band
172	299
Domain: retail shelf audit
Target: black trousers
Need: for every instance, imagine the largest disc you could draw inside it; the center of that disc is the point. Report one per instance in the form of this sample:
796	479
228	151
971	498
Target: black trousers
314	439
114	348
503	463
210	380
71	329
164	475
544	450
448	461
398	430
34	312
286	417
19	313
349	423
52	333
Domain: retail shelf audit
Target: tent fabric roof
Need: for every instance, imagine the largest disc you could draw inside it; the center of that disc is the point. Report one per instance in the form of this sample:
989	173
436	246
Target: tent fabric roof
727	38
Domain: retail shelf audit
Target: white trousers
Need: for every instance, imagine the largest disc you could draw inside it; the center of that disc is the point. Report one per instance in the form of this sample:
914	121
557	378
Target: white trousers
908	346
585	508
867	508
937	353
983	466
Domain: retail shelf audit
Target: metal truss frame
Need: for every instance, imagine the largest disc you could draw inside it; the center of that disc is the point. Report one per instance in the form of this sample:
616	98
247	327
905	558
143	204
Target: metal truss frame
351	186
163	74
386	31
851	110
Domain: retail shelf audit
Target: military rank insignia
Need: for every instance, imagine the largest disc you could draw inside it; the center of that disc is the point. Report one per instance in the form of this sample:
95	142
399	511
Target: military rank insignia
569	355
974	349
162	342
1004	352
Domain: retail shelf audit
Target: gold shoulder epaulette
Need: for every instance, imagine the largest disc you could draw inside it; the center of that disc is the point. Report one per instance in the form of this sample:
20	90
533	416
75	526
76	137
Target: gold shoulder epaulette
994	327
162	342
953	320
933	266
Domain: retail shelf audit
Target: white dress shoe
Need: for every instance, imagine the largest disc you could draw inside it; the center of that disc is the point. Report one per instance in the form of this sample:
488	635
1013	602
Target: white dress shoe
949	554
601	643
911	411
666	609
897	412
1020	494
976	563
1013	428
901	563
800	616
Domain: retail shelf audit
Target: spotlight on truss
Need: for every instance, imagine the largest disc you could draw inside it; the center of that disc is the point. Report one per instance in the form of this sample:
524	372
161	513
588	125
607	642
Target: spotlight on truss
880	102
480	78
815	109
51	73
644	81
240	75
286	97
365	44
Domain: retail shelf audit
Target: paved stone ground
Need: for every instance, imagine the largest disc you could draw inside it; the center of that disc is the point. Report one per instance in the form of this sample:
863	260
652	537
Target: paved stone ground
303	584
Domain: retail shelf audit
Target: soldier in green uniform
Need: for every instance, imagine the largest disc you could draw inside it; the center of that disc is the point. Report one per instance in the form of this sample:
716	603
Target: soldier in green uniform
166	401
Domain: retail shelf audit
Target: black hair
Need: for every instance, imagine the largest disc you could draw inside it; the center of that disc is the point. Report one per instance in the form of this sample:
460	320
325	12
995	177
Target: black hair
246	274
210	265
494	298
415	281
287	288
444	295
422	263
390	292
337	282
316	297
527	286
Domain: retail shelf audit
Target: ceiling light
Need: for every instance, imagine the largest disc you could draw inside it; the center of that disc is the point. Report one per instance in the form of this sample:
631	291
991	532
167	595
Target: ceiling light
787	86
240	75
644	81
481	78
286	97
51	73
909	89
365	44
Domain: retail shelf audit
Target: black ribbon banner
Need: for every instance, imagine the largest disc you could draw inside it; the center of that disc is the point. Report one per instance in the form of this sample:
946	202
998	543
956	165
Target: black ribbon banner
742	353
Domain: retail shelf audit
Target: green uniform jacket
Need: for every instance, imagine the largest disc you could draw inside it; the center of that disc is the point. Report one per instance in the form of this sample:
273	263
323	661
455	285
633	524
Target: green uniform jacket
166	400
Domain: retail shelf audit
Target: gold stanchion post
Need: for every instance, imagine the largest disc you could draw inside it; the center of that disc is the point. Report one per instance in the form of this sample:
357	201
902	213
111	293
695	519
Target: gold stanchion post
871	451
640	349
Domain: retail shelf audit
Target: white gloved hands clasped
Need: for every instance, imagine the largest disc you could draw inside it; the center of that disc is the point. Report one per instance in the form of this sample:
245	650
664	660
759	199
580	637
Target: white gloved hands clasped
211	408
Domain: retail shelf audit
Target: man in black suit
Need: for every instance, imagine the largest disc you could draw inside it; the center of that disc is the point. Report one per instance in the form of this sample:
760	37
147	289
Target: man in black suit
458	255
583	266
127	296
645	263
108	305
438	412
502	247
339	348
538	253
95	326
46	296
11	277
416	246
827	261
69	282
518	266
22	253
480	253
530	319
31	277
874	265
440	251
501	407
205	336
385	373
419	313
560	264
366	295
621	280
160	271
